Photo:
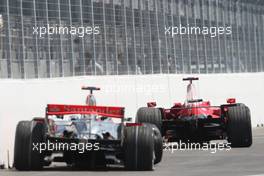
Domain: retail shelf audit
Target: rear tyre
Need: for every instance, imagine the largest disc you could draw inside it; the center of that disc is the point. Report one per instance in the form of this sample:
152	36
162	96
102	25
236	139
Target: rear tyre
239	130
26	157
139	148
149	115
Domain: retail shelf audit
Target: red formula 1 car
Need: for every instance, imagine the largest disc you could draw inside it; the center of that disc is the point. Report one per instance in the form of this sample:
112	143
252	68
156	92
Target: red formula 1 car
199	121
88	137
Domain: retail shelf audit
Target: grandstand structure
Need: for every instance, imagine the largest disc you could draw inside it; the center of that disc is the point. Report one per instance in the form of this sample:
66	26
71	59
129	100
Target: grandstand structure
132	37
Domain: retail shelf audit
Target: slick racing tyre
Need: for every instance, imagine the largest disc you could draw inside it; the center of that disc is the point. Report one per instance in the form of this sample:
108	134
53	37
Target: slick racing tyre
239	130
139	148
26	157
149	115
158	143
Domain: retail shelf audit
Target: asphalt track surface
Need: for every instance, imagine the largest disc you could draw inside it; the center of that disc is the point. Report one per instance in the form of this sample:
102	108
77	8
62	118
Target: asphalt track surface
237	161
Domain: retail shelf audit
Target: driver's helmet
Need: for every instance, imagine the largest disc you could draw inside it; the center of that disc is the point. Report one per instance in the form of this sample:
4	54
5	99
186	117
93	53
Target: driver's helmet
90	100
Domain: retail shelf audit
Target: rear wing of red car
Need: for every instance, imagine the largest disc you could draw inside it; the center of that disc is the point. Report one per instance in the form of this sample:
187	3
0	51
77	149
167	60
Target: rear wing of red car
58	109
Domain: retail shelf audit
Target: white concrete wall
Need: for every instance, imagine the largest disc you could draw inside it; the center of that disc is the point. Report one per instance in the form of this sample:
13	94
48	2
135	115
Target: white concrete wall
24	99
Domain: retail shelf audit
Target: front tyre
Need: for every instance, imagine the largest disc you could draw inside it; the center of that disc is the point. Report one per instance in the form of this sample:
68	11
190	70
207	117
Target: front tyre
149	115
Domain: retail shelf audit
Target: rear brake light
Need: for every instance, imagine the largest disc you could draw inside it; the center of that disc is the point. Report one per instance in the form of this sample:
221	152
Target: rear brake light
133	124
231	100
152	104
177	104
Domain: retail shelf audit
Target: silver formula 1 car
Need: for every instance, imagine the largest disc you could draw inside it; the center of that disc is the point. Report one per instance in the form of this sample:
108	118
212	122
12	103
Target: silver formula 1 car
86	136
